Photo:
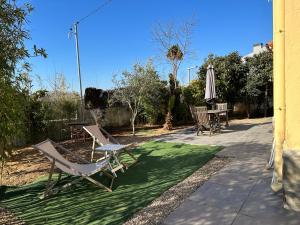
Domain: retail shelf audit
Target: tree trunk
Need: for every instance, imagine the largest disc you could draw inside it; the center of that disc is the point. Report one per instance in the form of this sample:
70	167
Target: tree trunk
248	105
168	123
132	124
133	129
175	75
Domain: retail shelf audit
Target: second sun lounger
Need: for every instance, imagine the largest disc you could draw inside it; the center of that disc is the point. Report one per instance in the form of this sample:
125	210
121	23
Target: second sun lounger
110	146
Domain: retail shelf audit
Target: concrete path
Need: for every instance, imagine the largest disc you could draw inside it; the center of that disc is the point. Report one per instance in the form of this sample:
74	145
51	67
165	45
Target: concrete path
240	193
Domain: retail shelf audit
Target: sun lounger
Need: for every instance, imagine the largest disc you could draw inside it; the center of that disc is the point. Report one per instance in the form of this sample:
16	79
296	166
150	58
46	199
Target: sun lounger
83	170
108	145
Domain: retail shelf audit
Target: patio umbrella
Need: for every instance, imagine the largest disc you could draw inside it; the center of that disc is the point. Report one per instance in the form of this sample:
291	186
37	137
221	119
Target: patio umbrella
210	89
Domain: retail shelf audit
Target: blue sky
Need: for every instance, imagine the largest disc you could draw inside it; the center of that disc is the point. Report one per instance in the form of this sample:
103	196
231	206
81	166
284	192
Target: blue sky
119	35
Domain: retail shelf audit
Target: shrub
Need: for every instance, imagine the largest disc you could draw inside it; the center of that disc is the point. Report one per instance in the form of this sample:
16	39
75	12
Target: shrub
194	93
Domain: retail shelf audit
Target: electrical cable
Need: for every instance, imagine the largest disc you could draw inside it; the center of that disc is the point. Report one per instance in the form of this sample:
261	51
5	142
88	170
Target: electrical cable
95	10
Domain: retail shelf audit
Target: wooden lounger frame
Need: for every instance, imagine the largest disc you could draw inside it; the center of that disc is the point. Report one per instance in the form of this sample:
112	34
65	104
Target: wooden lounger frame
51	184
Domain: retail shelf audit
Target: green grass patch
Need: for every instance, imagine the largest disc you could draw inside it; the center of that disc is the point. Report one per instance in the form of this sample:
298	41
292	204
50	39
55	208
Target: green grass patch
161	166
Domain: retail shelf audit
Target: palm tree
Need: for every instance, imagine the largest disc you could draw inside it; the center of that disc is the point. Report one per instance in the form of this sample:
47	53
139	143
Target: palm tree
175	56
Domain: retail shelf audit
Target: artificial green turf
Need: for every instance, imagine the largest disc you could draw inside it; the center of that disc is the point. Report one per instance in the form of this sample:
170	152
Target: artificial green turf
161	166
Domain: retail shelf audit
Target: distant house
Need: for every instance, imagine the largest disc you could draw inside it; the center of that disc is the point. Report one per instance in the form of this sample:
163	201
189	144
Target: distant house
257	49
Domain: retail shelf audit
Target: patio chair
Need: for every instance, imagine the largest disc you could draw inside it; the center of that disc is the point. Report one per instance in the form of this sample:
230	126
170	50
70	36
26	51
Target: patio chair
83	171
222	106
193	114
203	121
109	146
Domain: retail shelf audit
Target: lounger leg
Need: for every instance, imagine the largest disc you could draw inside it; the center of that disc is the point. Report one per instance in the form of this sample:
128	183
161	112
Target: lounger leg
56	190
93	149
98	184
110	176
59	176
112	169
49	186
130	154
117	161
92	155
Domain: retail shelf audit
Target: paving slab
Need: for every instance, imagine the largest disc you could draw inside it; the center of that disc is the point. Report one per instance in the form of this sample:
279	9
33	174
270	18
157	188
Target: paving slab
221	196
199	213
235	180
240	193
247	220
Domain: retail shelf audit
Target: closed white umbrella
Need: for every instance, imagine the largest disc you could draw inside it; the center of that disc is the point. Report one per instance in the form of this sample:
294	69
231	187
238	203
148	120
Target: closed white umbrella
210	89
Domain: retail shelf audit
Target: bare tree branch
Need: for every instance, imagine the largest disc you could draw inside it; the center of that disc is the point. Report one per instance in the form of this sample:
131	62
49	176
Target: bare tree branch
169	35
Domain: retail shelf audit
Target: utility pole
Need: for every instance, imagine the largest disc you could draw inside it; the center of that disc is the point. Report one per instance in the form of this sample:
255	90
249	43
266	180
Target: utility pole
189	72
75	32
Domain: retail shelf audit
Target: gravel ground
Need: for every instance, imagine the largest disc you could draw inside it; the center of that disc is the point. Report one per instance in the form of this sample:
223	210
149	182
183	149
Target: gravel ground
9	219
161	207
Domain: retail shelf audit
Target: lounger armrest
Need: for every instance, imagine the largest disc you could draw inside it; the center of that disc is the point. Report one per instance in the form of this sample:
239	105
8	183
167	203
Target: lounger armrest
131	145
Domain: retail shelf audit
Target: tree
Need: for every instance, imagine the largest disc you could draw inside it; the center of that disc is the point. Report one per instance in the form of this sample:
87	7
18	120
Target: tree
168	125
64	103
194	93
236	80
154	101
96	101
259	78
14	69
175	56
174	43
230	75
50	110
135	87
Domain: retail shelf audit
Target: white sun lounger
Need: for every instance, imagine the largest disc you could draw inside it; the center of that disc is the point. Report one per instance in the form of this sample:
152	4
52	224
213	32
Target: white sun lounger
110	146
84	170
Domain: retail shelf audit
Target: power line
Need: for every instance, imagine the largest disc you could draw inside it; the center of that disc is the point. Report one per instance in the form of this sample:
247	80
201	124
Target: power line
95	10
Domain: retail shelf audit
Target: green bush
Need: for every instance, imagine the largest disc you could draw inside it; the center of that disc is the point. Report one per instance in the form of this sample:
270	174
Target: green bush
194	93
230	75
50	114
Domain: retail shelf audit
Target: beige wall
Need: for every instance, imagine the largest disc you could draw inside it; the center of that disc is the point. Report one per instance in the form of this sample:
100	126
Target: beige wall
287	100
292	74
